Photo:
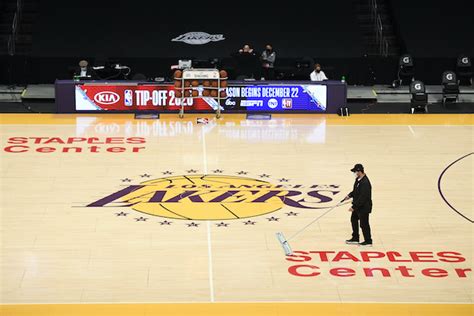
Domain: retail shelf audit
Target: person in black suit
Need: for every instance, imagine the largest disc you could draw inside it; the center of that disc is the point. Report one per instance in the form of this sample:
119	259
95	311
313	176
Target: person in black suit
84	70
361	207
246	63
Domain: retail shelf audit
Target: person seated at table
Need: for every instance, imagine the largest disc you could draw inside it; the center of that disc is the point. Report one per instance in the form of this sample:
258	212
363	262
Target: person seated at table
318	74
84	70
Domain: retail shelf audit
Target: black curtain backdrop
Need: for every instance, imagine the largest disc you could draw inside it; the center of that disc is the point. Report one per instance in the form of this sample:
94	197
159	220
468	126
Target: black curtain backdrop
145	28
435	29
139	34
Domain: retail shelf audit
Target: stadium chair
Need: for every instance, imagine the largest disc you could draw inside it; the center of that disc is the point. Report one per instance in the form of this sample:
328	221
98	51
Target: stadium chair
450	87
406	70
464	70
419	98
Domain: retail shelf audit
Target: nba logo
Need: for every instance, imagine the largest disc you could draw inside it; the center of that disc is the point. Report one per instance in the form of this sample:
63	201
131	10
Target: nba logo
128	98
287	103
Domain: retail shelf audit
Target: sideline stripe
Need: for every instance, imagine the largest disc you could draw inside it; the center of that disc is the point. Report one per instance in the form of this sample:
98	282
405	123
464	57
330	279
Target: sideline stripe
329	119
234	309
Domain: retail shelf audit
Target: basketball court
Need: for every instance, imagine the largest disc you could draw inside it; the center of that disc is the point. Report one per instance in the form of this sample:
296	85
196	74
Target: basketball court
112	215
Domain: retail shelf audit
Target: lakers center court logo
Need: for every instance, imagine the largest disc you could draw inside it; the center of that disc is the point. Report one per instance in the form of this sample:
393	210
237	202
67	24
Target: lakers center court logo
216	196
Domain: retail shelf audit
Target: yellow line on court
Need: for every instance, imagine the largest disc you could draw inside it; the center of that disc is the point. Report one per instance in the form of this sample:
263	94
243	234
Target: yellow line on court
401	119
231	309
330	119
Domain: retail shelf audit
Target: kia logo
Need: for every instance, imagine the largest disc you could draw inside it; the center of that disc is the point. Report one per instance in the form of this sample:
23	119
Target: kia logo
106	97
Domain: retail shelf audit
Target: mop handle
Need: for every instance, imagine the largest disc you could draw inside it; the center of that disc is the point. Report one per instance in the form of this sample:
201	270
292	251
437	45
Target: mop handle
312	222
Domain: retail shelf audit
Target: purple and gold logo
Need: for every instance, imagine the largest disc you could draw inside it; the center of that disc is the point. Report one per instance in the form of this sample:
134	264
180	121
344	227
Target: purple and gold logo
216	196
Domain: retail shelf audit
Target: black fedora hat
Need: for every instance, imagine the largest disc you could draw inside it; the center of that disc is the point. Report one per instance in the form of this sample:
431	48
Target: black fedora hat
358	167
